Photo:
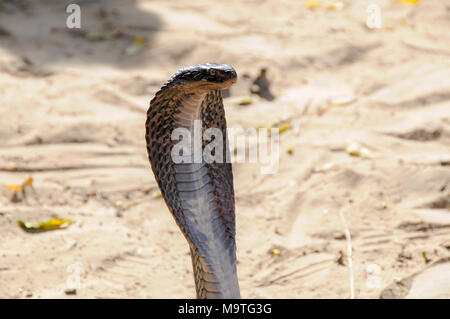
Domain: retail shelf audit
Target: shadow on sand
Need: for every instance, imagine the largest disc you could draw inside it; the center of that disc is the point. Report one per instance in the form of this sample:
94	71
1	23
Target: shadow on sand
112	32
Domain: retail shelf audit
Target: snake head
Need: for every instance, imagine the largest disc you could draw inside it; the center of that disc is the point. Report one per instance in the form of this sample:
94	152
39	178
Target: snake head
205	77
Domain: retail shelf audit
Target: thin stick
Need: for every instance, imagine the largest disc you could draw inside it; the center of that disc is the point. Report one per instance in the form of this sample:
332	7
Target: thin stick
349	254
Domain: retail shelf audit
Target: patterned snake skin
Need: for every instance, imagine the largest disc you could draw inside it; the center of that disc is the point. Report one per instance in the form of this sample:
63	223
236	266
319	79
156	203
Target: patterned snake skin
200	195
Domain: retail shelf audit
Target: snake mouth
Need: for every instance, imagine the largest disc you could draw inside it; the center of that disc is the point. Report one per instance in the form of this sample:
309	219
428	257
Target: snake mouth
205	85
227	83
232	80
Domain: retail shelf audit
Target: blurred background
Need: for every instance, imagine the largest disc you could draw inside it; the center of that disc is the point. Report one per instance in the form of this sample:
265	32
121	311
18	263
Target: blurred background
360	90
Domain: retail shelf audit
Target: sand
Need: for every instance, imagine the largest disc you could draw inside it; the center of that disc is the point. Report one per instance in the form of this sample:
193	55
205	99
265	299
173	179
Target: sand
72	113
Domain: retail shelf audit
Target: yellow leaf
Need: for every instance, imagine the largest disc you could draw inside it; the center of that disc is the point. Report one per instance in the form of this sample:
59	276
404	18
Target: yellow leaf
55	223
409	1
275	252
313	4
15	188
246	100
357	150
334	5
137	46
139	40
20	188
51	224
28	182
156	194
285	127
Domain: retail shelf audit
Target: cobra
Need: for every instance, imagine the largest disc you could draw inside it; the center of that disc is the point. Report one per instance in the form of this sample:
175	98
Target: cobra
200	195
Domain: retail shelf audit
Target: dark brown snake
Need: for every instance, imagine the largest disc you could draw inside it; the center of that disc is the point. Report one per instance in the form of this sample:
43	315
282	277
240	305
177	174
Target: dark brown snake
200	194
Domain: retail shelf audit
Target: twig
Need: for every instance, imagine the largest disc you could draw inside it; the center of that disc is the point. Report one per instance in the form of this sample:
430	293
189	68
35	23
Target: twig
349	253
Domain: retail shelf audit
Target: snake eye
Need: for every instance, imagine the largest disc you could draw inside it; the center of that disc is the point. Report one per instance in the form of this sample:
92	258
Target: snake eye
212	72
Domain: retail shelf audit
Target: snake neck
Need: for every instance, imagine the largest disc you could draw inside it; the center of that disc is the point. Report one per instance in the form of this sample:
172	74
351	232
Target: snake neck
189	110
199	195
212	246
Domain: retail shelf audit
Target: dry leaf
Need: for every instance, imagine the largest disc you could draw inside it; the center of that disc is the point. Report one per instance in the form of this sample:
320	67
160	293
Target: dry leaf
313	4
139	40
343	100
15	188
285	127
409	1
334	5
127	203
246	100
138	45
21	188
156	194
275	252
324	168
97	36
354	149
337	101
28	182
51	224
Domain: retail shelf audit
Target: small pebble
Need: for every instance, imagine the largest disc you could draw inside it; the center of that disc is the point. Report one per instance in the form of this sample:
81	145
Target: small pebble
70	291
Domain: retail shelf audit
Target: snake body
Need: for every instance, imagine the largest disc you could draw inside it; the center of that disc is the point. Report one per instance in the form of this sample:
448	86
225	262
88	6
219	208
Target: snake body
199	194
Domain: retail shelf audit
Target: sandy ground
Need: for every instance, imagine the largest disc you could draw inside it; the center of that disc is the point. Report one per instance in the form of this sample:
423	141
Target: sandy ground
72	113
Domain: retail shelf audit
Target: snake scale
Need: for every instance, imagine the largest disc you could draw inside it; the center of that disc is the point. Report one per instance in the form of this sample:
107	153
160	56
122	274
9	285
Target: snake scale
200	195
